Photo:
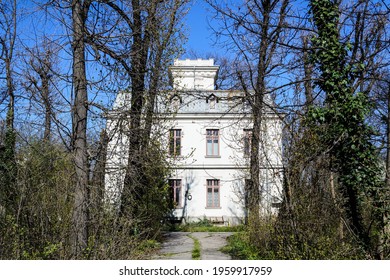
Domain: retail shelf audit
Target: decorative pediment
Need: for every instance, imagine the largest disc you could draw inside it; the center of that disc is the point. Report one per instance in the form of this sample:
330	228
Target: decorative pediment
175	98
212	98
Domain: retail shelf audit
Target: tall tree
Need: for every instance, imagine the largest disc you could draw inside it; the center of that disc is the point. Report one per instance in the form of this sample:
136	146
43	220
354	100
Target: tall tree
80	10
343	127
141	42
255	30
8	33
39	77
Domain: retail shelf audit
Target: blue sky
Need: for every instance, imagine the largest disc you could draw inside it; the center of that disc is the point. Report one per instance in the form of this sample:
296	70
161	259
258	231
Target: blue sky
200	37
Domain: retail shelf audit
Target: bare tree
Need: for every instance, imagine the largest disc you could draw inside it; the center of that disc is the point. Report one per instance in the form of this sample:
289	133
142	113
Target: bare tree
255	30
40	74
79	123
8	33
139	43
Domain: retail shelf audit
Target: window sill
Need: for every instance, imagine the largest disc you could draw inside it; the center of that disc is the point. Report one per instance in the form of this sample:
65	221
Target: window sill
212	156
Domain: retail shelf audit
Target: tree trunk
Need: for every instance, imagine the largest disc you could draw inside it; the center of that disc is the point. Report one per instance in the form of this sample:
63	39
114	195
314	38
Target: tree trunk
47	105
97	182
386	227
308	68
257	112
8	171
79	139
133	187
388	140
156	75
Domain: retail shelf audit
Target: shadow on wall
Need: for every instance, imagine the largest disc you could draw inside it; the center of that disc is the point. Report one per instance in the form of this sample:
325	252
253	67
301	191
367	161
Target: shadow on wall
183	216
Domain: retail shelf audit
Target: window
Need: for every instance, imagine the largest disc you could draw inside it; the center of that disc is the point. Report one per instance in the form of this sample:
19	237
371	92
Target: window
213	193
247	142
175	142
176	190
212	103
212	142
212	100
175	102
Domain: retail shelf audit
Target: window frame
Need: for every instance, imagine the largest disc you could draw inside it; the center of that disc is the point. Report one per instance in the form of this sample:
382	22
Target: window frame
176	102
214	184
215	139
212	100
175	142
176	184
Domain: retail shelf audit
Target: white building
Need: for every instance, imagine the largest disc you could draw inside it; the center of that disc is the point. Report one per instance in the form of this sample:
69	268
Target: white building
208	140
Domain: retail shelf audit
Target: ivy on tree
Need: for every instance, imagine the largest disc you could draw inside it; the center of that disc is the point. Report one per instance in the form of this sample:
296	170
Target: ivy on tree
341	127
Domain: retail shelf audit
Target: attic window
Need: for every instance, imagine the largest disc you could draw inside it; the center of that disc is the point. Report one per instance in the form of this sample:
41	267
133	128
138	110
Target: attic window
175	101
212	100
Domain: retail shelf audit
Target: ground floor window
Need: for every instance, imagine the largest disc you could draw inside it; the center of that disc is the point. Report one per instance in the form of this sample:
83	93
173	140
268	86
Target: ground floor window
176	192
213	194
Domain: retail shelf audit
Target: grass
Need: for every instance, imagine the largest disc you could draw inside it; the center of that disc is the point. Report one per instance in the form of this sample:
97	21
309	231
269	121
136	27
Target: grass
196	251
205	226
239	247
146	248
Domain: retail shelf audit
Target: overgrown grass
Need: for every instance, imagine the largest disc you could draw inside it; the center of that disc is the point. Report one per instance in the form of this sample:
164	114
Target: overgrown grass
147	248
278	247
205	226
239	247
196	251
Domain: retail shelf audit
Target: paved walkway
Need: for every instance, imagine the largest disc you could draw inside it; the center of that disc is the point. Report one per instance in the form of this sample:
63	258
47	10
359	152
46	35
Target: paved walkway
179	245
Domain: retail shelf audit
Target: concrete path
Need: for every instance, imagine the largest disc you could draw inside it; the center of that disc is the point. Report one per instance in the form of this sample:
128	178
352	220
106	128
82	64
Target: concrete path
179	245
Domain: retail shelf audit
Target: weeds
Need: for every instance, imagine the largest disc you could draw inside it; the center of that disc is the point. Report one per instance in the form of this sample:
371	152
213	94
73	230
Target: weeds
196	251
205	225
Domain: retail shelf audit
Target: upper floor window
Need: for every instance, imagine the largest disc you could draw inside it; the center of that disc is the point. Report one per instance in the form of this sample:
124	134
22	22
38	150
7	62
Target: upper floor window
247	138
212	100
213	195
175	102
177	192
175	142
212	142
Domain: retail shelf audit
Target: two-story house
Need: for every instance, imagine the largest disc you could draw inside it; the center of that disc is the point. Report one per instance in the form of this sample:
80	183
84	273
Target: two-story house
208	139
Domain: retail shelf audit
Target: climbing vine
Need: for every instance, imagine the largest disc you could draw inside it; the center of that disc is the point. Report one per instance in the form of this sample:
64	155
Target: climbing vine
341	126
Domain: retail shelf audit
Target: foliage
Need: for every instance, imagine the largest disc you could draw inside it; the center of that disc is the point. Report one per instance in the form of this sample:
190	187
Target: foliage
8	171
115	238
240	248
39	229
204	225
343	131
42	228
278	244
151	203
335	203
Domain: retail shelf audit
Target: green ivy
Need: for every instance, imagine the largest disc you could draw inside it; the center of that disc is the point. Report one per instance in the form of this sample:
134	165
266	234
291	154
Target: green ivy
341	126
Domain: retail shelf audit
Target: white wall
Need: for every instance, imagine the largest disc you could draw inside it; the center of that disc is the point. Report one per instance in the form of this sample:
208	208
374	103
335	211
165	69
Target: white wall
193	167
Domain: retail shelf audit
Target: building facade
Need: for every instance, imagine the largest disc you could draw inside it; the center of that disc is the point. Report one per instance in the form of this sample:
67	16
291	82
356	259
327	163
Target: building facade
207	137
